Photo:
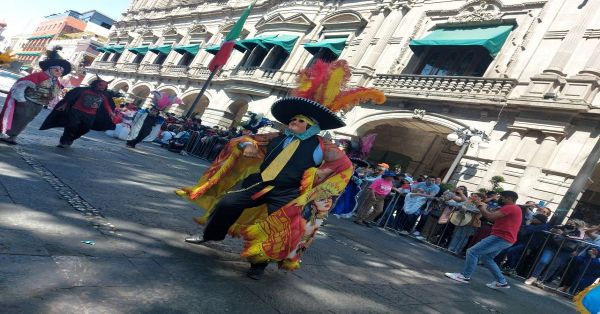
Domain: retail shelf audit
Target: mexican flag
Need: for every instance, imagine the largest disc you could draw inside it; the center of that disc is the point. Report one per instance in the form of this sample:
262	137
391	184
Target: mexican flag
222	56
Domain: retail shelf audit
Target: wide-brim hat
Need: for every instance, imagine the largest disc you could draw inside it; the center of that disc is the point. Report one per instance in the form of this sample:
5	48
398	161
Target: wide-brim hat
461	218
359	162
46	64
286	108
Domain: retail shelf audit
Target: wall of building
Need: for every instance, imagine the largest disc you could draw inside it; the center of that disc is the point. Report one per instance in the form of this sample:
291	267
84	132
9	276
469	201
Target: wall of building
537	99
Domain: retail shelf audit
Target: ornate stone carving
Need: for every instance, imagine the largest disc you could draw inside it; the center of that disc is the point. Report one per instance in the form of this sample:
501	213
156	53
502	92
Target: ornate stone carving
478	11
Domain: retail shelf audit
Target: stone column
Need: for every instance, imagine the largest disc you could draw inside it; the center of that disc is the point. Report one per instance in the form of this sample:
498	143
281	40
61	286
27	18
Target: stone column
504	155
566	49
533	171
544	152
593	65
370	33
391	24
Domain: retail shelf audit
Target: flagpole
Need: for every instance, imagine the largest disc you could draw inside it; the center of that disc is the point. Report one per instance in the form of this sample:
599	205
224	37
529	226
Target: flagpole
204	87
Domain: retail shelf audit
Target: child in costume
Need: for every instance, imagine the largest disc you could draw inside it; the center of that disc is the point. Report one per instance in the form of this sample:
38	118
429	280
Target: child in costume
30	94
281	174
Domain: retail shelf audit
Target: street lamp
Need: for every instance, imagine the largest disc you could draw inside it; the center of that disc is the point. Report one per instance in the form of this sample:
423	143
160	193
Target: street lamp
465	137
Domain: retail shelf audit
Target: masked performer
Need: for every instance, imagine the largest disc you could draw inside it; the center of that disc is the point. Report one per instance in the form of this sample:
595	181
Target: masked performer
281	175
81	110
30	94
146	119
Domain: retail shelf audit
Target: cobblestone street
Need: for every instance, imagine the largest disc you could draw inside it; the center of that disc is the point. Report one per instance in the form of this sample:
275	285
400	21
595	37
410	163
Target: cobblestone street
122	201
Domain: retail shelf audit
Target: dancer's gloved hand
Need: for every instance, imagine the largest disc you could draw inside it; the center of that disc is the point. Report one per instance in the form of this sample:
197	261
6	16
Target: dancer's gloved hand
251	151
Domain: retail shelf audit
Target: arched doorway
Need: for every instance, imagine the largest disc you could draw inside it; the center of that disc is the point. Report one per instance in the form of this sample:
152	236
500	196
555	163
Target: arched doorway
236	111
140	94
187	104
122	87
416	146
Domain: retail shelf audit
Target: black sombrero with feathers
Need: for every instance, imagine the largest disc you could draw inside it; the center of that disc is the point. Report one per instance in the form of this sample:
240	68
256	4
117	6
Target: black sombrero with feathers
54	59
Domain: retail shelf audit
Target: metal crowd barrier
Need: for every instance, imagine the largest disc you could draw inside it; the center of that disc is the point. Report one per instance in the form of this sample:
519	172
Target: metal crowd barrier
565	270
202	147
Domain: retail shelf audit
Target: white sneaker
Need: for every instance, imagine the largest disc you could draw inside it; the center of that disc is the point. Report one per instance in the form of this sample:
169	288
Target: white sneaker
419	237
416	233
530	281
403	232
457	277
497	285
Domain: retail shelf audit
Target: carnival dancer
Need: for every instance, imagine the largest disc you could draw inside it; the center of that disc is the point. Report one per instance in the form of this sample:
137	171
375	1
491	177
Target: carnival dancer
289	181
145	119
30	94
81	110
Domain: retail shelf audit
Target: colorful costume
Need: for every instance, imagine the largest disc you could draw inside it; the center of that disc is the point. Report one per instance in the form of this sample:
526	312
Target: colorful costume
29	94
588	300
147	119
285	194
81	110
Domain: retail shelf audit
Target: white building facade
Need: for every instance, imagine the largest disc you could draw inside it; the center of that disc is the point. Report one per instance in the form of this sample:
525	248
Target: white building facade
525	72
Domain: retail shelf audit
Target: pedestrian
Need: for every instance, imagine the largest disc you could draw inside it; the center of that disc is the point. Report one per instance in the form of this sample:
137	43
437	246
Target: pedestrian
145	119
30	94
81	110
281	174
507	221
378	190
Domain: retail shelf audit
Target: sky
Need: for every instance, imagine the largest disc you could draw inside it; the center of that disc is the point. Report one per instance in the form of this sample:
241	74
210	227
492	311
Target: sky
22	16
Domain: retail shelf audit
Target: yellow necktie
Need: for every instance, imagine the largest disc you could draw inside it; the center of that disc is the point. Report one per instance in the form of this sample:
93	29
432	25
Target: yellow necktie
280	161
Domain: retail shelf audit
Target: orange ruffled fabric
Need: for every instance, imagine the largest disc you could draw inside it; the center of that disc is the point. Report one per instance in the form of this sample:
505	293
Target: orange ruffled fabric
285	234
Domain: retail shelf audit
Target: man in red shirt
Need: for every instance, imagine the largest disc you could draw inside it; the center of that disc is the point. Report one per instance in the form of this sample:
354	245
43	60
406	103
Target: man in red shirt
507	221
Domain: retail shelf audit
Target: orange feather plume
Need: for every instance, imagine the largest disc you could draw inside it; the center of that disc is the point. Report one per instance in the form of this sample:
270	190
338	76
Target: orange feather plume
325	83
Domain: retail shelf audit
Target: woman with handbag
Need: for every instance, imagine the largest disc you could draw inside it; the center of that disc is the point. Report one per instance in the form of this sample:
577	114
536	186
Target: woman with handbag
465	220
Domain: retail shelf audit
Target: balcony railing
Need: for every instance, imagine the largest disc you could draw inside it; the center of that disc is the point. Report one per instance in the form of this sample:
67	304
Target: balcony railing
199	72
150	68
269	73
104	64
495	89
244	71
130	67
175	70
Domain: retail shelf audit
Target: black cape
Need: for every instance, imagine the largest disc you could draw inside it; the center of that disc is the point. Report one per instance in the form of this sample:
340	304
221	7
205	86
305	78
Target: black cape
59	116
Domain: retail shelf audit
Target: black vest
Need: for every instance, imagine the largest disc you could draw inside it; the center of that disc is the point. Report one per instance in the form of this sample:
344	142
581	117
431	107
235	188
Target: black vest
301	160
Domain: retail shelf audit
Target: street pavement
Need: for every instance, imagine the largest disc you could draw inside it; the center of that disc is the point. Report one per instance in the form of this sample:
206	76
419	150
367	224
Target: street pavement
121	202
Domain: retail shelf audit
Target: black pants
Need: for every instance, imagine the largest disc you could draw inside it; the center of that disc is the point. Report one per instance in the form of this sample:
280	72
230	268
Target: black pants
144	131
231	207
78	124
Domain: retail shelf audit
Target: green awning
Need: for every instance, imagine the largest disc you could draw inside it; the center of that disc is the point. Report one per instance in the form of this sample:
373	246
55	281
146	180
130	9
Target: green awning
29	53
162	49
141	50
335	45
213	49
191	49
245	44
286	42
25	68
40	37
103	49
491	38
115	48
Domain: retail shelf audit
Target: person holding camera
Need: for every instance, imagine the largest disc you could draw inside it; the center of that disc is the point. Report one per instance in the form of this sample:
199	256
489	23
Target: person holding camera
507	221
